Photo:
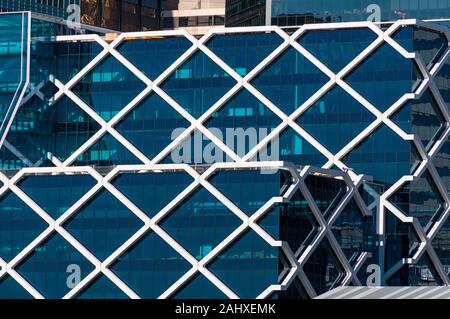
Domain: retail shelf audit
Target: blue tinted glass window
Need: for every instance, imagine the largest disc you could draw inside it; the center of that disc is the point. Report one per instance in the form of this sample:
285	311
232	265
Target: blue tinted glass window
151	266
46	268
161	51
198	84
103	224
200	223
56	193
243	52
248	266
337	48
109	87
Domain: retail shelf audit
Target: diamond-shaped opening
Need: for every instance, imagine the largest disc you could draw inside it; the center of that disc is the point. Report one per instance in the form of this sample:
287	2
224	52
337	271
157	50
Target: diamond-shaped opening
291	147
199	287
422	118
46	268
198	84
398	240
322	268
294	291
337	48
20	225
243	122
431	45
419	198
383	77
196	148
440	162
248	266
383	155
107	151
290	80
71	57
327	192
234	184
165	50
109	87
152	117
101	288
200	223
10	289
336	119
423	273
244	51
441	242
56	193
103	224
150	266
353	231
59	129
152	191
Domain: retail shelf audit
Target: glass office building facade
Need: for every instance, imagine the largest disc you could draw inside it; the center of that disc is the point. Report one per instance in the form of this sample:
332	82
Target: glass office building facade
56	8
115	15
108	190
245	13
293	13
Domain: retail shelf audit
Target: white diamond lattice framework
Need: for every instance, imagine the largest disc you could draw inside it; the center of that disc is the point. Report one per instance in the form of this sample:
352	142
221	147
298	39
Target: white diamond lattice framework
382	204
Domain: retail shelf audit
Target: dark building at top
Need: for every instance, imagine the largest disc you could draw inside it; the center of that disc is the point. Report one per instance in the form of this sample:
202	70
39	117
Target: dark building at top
245	13
122	15
118	15
126	15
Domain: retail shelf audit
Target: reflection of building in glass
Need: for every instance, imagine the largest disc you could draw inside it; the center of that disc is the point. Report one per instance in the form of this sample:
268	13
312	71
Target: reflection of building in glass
292	13
122	15
245	13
